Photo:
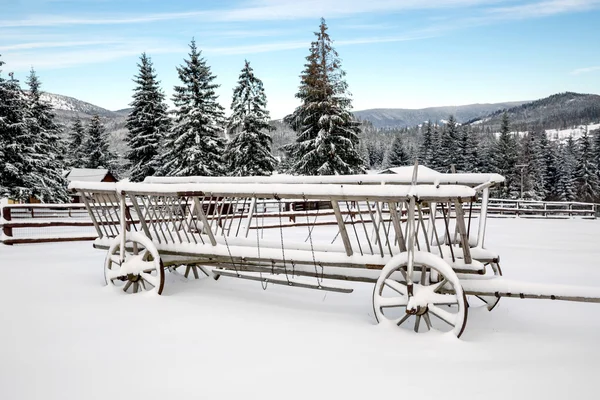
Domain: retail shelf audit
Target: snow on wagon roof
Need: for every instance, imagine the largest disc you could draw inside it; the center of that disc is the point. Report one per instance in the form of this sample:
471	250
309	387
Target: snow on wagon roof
309	191
423	177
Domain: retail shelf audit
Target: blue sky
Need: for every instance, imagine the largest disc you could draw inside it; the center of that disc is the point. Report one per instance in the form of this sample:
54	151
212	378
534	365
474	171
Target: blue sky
397	53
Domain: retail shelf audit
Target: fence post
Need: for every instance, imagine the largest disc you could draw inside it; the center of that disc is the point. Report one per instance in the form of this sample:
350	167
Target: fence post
570	209
6	230
545	213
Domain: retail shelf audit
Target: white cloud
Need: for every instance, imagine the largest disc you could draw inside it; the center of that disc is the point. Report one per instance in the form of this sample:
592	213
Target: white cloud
253	11
543	9
585	70
43	45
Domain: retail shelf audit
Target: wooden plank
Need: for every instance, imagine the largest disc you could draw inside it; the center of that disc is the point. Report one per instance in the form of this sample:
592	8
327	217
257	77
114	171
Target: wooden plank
47	239
342	228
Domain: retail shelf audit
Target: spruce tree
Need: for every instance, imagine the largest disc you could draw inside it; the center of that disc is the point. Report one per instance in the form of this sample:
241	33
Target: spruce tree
567	190
397	156
428	149
76	145
596	151
49	184
327	132
588	187
195	144
449	146
96	145
249	151
436	153
505	160
147	123
16	146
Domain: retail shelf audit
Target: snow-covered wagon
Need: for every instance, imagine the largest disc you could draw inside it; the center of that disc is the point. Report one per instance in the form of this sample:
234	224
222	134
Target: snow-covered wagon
419	239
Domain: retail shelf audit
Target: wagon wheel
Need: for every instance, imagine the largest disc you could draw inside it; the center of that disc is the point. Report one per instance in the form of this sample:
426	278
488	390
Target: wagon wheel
492	301
189	270
441	305
142	270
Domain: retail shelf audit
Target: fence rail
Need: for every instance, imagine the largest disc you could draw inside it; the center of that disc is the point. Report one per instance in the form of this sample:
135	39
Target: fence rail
38	223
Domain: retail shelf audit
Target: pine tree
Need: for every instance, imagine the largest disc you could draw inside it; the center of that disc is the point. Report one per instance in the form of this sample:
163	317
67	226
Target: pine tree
327	133
567	166
449	146
49	184
147	123
249	152
588	186
96	146
398	155
195	144
436	153
76	144
427	149
467	160
16	146
596	149
505	160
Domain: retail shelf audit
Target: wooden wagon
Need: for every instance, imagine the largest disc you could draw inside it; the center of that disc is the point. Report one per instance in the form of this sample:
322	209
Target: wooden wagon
415	238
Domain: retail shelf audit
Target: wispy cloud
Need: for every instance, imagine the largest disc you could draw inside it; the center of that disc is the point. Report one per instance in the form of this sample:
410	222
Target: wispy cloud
579	71
20	61
542	9
44	45
262	10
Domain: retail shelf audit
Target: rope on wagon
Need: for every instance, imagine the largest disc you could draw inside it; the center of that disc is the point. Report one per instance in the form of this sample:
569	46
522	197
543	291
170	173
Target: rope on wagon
312	249
281	237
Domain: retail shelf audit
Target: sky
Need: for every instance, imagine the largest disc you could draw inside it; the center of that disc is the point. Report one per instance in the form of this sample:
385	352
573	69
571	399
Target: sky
396	53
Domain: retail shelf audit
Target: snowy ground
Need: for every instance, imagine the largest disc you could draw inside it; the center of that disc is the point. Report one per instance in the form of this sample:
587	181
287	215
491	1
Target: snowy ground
65	336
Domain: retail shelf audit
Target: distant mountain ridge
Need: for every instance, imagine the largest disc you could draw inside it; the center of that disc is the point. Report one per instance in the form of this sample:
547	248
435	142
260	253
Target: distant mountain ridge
559	111
71	105
404	117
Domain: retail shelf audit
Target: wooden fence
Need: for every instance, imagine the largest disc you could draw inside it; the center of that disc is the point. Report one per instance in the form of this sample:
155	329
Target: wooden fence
542	209
37	223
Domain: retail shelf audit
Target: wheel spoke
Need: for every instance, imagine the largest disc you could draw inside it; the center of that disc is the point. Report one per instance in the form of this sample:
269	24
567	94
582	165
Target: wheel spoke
115	259
127	285
439	285
187	271
444	315
143	284
385	302
395	286
427	321
112	274
153	280
445	299
136	287
402	320
417	323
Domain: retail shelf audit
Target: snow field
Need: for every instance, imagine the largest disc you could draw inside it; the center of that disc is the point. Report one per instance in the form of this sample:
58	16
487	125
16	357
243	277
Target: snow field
66	336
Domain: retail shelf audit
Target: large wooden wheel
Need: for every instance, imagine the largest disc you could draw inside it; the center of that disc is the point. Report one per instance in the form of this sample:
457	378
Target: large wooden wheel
142	269
437	302
491	301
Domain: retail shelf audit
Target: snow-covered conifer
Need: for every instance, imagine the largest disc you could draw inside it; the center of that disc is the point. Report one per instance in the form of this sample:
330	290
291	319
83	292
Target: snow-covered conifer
147	123
505	160
398	155
96	145
249	151
588	187
195	144
16	145
49	184
327	133
77	137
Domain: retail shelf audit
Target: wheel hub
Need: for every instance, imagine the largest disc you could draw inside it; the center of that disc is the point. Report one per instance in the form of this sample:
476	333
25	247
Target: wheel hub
133	278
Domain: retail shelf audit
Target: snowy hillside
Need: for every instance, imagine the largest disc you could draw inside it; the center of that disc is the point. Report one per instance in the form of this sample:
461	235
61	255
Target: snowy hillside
402	117
65	103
